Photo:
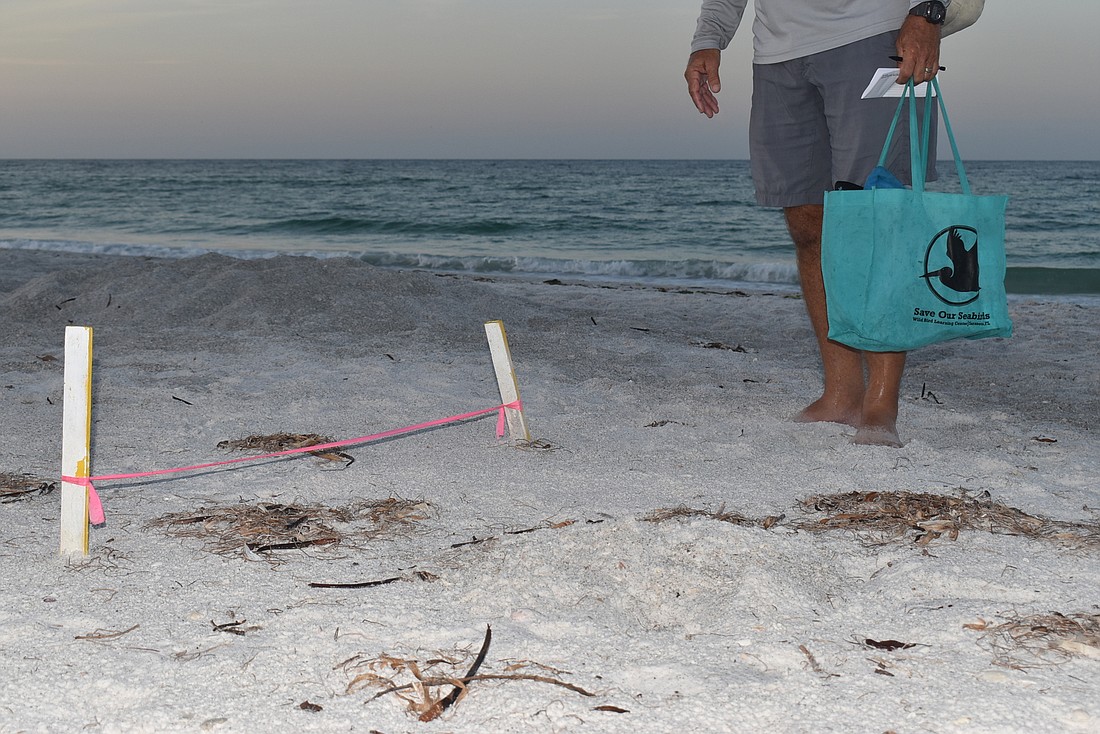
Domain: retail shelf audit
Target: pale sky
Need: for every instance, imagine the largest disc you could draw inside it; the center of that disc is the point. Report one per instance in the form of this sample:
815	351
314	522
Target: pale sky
471	79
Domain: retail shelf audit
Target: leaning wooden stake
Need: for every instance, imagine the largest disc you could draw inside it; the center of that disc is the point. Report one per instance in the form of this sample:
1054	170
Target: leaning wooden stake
76	439
506	380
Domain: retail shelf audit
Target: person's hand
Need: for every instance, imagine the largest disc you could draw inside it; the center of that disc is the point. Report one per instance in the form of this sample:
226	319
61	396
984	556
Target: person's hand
702	79
919	48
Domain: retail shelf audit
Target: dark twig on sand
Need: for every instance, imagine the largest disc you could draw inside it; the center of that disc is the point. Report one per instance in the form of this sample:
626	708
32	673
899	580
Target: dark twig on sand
292	545
459	690
355	584
15	487
523	531
104	635
814	665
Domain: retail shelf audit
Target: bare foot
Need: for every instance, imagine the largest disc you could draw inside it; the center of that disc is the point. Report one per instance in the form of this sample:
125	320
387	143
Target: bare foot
877	436
878	429
830	411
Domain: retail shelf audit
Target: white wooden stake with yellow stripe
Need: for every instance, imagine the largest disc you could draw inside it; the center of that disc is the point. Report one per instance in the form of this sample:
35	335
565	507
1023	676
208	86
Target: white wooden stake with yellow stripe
76	434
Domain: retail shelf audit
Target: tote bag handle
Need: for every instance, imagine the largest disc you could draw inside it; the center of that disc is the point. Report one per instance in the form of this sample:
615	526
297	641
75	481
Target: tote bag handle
918	144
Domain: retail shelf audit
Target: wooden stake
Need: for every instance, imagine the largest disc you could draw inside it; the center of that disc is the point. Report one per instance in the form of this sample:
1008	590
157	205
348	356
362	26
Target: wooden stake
506	380
76	435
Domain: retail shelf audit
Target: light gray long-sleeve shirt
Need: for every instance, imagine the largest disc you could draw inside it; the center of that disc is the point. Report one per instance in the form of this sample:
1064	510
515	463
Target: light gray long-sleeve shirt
791	29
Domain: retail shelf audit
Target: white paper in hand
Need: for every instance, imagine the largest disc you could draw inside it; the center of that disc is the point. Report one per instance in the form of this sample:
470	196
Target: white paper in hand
884	83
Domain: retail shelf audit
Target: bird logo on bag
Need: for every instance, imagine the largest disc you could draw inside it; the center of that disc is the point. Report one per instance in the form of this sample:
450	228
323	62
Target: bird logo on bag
955	282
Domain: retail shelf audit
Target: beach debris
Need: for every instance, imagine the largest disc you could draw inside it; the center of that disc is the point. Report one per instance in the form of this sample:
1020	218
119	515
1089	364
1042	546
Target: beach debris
1044	439
356	584
547	525
459	691
272	443
311	707
543	526
926	394
887	645
719	345
474	541
721	514
16	487
611	709
924	518
662	423
235	627
266	527
540	445
814	665
104	560
291	545
1041	639
386	671
101	635
186	402
882	667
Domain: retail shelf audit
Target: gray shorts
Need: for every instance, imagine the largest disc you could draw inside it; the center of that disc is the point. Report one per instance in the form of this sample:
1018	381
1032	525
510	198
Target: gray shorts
809	128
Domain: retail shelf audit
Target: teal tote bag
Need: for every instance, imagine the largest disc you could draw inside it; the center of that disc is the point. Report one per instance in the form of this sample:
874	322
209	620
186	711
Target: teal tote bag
904	268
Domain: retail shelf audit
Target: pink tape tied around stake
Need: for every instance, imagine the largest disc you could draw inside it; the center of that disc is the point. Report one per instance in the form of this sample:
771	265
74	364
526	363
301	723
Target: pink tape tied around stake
95	507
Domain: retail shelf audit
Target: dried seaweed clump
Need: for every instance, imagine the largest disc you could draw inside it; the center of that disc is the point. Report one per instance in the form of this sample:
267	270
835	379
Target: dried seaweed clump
1042	639
682	512
273	443
927	517
15	487
412	681
266	527
416	682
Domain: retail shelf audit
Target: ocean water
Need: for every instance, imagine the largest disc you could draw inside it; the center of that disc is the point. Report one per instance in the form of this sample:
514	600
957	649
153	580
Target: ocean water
672	222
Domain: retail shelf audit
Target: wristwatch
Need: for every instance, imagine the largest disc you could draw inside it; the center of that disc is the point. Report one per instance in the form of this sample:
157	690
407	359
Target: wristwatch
933	11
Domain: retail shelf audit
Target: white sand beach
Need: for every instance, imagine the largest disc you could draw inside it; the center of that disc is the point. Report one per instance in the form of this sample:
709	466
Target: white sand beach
671	545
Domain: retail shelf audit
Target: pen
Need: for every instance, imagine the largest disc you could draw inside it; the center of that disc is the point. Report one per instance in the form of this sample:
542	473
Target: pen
898	58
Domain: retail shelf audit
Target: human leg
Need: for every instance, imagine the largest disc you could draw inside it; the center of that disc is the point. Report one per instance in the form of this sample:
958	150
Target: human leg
879	409
792	168
842	398
873	409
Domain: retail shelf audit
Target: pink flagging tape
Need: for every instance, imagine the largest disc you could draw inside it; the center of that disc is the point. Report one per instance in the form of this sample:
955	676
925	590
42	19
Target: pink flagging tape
95	507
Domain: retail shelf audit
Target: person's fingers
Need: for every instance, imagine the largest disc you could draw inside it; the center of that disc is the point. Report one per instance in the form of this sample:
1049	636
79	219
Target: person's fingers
703	81
705	101
701	94
918	45
713	81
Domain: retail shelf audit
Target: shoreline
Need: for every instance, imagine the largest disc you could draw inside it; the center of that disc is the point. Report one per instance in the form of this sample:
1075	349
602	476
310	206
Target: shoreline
649	403
1072	283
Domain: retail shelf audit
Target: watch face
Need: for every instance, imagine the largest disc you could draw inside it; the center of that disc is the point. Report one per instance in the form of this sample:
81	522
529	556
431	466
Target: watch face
932	11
